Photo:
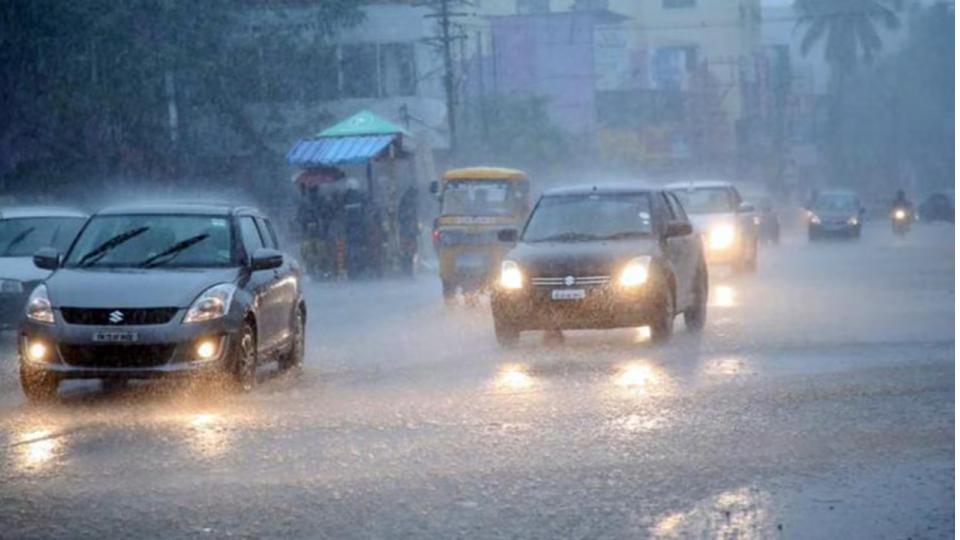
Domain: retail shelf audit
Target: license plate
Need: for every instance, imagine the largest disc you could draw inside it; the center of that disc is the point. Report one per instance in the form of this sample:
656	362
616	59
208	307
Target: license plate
115	337
568	294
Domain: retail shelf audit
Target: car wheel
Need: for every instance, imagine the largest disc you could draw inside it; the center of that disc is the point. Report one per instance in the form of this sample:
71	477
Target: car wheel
507	334
38	386
245	360
661	328
293	359
695	317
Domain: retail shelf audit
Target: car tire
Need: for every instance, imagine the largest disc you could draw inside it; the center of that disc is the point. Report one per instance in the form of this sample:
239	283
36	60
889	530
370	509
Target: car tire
507	334
38	386
661	328
293	359
243	369
695	317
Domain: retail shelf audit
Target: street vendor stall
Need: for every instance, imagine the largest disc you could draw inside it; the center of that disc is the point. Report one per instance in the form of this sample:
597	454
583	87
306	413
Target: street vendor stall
356	179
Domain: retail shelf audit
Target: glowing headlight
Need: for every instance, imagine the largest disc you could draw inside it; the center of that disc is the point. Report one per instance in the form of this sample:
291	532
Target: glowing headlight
510	275
854	221
814	219
39	307
212	304
900	214
722	237
207	349
636	272
37	351
11	286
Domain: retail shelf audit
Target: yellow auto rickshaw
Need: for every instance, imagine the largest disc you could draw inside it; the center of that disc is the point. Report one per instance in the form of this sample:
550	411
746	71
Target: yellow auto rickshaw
475	205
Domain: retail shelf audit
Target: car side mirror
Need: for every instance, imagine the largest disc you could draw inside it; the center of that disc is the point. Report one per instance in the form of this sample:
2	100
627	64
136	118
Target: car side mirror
47	259
266	259
745	208
435	187
678	228
508	235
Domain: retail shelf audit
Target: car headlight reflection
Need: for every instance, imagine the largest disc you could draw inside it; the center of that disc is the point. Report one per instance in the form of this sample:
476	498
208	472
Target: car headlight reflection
722	237
511	277
854	221
636	272
212	304
39	307
815	219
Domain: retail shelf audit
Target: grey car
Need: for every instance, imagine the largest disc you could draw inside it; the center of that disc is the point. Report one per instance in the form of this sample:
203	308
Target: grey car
163	290
23	231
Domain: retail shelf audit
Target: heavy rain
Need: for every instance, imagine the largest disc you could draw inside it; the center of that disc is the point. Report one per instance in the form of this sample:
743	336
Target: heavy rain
477	269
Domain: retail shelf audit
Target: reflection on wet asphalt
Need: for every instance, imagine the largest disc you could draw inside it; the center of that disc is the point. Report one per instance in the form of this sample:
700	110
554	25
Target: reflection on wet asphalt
817	403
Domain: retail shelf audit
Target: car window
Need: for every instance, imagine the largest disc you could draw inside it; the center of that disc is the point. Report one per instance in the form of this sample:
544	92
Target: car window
250	235
677	208
571	218
22	237
266	232
711	200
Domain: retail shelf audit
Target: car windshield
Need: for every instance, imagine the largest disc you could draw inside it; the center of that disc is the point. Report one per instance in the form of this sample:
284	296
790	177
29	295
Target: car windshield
143	241
836	203
22	237
706	200
572	218
479	198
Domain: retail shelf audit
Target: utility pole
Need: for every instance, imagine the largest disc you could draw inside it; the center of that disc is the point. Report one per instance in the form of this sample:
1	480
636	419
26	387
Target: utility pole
444	14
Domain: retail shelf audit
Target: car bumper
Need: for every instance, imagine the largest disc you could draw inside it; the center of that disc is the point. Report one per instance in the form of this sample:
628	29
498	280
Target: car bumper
603	307
163	350
11	309
836	229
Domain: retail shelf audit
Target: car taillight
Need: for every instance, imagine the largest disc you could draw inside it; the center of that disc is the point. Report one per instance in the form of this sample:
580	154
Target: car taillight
436	236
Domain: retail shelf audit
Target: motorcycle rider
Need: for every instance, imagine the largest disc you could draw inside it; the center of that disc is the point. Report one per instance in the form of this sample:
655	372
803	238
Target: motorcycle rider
901	201
901	212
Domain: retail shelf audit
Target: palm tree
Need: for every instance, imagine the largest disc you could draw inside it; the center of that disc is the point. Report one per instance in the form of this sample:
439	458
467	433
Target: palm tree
848	30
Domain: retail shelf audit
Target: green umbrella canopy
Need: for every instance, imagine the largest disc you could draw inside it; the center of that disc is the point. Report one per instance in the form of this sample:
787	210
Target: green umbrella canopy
363	123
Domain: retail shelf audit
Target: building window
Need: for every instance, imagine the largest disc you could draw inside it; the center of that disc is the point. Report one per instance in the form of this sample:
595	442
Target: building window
360	71
674	4
528	7
398	74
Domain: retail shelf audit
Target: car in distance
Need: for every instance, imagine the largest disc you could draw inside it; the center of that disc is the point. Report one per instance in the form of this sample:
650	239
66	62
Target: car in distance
726	221
24	230
937	207
599	257
163	290
837	213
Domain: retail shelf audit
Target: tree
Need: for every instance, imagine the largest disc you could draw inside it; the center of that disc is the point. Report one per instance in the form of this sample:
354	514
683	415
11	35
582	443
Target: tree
848	30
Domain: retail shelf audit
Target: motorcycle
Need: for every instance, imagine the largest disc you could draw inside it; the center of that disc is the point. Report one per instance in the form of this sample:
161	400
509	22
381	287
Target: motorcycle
900	218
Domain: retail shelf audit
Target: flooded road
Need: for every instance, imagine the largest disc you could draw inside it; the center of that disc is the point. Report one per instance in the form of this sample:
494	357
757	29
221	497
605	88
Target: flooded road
818	402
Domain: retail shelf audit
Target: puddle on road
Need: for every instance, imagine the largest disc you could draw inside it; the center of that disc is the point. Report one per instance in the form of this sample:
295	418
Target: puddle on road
742	513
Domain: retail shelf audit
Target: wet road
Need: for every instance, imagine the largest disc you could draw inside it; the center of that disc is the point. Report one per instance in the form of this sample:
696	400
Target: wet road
818	403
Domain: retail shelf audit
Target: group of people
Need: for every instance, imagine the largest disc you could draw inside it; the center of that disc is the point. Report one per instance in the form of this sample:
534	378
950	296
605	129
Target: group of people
345	234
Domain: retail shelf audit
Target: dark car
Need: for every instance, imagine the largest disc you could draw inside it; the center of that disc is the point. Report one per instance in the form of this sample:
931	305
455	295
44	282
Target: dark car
834	213
937	207
156	290
24	230
602	257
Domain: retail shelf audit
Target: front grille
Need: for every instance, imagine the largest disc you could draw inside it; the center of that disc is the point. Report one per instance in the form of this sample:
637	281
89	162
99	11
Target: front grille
582	281
116	356
126	317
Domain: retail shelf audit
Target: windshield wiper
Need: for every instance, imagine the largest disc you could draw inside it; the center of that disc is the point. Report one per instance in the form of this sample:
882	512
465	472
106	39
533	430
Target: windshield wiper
101	250
18	239
625	234
567	237
173	250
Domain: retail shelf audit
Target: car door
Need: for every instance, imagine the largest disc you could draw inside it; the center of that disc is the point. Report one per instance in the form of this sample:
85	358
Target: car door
284	291
260	286
681	250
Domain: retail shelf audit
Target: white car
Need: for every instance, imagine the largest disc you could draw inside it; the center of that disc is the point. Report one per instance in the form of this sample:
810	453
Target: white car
728	223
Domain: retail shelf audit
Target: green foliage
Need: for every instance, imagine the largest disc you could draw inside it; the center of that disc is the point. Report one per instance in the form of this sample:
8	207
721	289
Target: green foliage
848	28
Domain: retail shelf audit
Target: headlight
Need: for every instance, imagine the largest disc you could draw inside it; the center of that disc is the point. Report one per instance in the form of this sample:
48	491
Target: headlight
212	304
636	272
11	286
39	307
815	219
900	213
722	237
510	275
854	221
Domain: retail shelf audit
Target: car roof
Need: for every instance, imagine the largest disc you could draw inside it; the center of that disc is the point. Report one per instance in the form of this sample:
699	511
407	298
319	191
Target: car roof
699	184
604	188
11	212
179	208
